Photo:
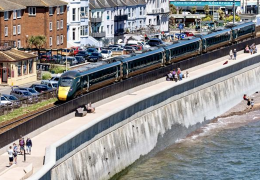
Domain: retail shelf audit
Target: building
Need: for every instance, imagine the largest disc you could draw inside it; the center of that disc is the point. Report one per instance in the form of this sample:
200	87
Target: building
21	19
16	67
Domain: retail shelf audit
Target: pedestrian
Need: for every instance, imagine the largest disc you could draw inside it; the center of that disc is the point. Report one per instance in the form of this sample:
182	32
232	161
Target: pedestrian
252	103
231	54
245	97
21	144
10	155
29	145
248	102
235	54
180	76
15	149
187	74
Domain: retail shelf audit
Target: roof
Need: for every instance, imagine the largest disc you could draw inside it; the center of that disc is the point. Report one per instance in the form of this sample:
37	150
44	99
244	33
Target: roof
216	33
101	4
14	55
93	70
182	43
243	25
6	5
39	3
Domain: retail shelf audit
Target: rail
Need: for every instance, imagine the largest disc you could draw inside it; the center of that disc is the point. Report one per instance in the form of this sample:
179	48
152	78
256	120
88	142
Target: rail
59	111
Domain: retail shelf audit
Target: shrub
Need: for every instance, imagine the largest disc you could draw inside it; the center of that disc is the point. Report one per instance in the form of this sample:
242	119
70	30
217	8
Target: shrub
46	76
57	69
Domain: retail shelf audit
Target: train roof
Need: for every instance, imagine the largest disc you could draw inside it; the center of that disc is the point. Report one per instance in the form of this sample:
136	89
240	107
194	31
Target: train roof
90	71
216	33
143	55
71	74
243	25
181	43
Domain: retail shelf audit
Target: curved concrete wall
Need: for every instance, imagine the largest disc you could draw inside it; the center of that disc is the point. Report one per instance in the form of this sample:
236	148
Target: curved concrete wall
107	145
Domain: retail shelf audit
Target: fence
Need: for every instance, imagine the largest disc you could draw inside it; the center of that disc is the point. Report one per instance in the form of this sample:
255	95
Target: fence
25	102
105	92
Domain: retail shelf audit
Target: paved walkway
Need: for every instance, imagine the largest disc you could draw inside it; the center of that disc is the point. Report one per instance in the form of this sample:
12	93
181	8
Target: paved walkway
45	139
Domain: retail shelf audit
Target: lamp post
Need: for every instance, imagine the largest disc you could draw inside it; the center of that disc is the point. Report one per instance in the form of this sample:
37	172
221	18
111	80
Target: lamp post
234	13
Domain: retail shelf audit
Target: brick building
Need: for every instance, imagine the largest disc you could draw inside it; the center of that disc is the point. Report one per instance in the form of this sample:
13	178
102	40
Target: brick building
21	19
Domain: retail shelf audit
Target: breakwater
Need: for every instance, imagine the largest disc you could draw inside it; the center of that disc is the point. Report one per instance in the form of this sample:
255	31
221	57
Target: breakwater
106	146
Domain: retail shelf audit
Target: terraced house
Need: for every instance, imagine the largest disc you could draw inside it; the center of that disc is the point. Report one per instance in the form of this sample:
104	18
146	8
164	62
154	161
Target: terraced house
21	19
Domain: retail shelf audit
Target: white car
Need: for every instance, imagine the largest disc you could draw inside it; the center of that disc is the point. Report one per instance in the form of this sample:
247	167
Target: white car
106	53
4	101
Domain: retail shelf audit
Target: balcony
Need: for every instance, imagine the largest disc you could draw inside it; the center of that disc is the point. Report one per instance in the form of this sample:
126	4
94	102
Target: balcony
96	20
158	11
98	34
121	18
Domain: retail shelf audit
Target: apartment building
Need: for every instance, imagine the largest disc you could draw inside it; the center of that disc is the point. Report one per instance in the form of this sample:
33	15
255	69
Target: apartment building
21	19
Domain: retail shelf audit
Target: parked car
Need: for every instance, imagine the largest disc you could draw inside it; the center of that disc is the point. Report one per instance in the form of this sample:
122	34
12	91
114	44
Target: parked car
83	54
155	42
5	101
15	101
74	50
80	59
31	90
55	77
41	88
106	53
95	57
22	94
189	34
117	49
50	84
114	46
138	47
67	52
70	60
129	48
91	50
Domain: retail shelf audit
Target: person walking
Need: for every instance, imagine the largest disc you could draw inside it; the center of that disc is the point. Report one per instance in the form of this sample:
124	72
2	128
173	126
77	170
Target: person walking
231	54
252	103
21	144
29	145
235	54
10	155
15	149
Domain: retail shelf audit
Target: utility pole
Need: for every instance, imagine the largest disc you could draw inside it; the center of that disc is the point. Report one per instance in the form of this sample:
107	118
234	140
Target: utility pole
234	13
258	10
213	14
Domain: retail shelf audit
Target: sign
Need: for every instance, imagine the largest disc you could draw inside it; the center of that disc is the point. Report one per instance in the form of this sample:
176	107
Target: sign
178	35
181	26
203	3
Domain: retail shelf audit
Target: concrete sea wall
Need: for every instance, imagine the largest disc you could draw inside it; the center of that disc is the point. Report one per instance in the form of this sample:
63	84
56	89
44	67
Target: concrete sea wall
108	145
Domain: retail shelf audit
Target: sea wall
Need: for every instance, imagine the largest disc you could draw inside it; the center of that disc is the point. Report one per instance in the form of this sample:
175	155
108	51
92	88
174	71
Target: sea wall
108	145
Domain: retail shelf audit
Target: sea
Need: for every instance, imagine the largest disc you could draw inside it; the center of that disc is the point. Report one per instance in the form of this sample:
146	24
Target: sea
225	149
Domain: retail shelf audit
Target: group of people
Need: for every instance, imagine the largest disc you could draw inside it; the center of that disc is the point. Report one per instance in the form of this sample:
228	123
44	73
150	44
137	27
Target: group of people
233	54
176	75
251	49
250	102
19	149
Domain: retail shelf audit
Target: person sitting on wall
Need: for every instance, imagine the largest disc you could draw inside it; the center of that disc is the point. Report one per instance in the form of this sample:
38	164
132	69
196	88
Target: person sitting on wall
169	77
245	97
90	109
246	50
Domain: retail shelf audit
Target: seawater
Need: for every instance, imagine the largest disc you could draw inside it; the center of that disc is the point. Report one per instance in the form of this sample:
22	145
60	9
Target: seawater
227	148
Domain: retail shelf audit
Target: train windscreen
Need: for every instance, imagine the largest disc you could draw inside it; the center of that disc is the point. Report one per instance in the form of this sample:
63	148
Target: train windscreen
66	82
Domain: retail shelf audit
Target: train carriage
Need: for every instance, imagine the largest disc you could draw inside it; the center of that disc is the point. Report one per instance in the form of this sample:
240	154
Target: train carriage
182	50
143	62
216	40
74	83
243	31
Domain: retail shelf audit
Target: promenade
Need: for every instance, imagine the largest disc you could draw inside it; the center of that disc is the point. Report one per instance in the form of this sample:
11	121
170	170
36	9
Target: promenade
50	136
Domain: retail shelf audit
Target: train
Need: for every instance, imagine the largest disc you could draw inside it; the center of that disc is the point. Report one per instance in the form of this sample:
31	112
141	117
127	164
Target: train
75	83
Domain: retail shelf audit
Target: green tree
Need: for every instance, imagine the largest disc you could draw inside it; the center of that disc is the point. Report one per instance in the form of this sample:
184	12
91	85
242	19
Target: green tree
230	18
193	9
37	41
221	14
206	9
173	9
207	18
180	10
171	21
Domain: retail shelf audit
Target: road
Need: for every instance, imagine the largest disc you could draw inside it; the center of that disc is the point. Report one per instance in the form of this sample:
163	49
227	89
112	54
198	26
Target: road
7	89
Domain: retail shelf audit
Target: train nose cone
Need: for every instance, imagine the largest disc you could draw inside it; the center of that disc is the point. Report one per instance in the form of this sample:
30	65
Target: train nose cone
63	93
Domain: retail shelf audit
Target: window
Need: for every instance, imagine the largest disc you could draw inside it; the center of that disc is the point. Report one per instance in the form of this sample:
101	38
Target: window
129	13
61	39
50	11
14	44
32	11
50	41
25	67
107	29
98	15
14	30
58	10
19	43
74	14
58	40
132	9
19	69
50	26
83	30
58	24
6	15
61	9
141	10
112	30
6	31
30	65
18	29
14	14
61	24
107	14
84	11
74	34
19	13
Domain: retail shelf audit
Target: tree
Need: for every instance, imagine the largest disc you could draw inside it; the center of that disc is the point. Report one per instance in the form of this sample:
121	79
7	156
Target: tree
206	9
221	14
193	9
180	10
207	18
37	41
230	18
171	21
173	9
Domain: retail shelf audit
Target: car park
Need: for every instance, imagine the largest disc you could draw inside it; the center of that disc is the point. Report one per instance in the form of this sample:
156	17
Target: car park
22	95
80	59
50	84
155	42
106	53
14	100
31	90
41	88
95	57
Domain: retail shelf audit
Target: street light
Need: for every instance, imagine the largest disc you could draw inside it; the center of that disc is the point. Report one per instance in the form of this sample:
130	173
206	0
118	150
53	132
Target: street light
234	13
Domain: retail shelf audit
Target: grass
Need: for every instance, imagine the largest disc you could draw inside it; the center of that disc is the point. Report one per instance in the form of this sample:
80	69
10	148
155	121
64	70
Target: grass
24	110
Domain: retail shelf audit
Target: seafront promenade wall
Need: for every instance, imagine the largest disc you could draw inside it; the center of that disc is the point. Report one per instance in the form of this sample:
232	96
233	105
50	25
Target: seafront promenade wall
106	146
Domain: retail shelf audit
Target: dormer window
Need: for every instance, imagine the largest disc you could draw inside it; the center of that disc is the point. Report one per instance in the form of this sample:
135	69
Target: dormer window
6	15
32	11
50	11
